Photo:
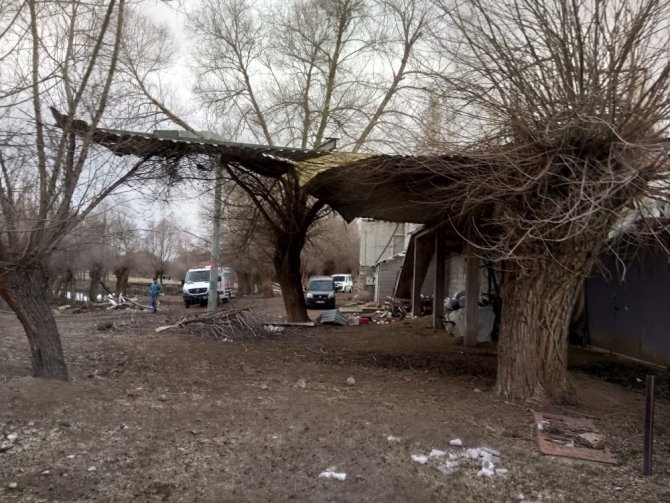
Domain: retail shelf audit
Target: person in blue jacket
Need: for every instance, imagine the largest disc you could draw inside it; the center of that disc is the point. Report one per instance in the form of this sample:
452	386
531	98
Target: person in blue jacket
154	290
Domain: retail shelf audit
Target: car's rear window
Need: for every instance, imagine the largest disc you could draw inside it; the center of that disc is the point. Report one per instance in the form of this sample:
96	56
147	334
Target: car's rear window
338	278
320	285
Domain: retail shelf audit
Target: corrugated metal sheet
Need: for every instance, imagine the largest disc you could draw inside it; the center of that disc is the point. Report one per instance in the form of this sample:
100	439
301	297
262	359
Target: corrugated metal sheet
334	317
631	315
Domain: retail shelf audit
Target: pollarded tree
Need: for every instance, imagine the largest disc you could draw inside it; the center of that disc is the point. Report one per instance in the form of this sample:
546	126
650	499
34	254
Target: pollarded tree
62	55
572	99
295	75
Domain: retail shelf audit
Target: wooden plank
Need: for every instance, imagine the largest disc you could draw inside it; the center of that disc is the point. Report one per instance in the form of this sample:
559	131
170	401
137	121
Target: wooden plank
558	435
423	253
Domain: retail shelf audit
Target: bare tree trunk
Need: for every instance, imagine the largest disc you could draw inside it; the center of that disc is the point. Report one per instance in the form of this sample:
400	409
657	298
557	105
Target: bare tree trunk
56	289
122	274
25	291
124	282
533	345
94	276
287	267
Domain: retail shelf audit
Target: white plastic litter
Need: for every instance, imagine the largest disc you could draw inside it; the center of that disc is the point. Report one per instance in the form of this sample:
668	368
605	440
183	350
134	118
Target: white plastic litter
471	453
420	458
485	472
485	320
436	453
456	442
448	467
333	475
392	438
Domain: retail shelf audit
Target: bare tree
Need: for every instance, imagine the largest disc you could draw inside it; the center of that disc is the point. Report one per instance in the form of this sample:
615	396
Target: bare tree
161	240
122	238
571	100
333	247
296	75
62	55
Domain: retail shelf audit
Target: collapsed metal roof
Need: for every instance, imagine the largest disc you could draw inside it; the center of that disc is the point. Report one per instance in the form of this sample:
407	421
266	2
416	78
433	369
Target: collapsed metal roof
267	160
384	187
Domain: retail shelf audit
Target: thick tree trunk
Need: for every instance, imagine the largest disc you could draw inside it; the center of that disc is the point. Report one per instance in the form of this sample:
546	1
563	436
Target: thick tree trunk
95	276
533	345
25	291
122	274
287	266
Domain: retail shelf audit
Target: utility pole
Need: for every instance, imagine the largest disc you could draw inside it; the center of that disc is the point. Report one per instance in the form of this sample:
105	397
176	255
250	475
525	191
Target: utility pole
213	297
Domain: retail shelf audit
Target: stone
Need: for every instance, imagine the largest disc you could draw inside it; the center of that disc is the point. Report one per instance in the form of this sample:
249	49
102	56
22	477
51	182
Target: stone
592	440
351	381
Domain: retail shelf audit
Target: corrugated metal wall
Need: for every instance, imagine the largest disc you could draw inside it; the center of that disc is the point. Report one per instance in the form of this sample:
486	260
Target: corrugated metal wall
387	273
632	317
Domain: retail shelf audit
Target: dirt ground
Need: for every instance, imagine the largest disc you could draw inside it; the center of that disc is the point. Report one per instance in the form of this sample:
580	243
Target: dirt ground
173	416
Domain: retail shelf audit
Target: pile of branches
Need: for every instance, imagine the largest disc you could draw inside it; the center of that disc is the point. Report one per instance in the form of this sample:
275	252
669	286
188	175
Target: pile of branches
223	326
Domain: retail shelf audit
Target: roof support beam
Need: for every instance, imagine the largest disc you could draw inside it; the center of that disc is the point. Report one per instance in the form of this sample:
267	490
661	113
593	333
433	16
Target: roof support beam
424	248
441	278
471	296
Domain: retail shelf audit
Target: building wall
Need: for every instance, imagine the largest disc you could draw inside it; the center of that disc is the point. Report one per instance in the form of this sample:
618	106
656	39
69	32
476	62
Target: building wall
378	241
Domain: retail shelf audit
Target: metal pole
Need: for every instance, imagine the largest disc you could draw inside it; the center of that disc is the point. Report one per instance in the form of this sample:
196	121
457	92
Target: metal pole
648	427
213	295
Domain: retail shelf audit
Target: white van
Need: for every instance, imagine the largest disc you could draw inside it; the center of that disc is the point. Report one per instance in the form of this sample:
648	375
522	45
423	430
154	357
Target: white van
196	285
343	282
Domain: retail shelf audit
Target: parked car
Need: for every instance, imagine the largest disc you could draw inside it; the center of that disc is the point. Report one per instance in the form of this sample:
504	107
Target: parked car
320	292
343	282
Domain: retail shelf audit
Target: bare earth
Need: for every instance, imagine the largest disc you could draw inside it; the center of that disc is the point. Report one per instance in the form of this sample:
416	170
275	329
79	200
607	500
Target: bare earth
172	416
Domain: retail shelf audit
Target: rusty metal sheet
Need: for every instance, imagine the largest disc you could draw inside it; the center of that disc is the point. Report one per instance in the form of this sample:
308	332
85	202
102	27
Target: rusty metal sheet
558	435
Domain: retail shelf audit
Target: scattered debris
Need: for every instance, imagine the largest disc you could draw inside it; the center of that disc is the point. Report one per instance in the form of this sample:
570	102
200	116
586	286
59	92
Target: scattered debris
485	457
12	485
420	458
301	383
224	325
577	438
448	467
328	474
392	438
334	317
9	441
592	440
92	468
393	310
350	381
280	324
457	442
